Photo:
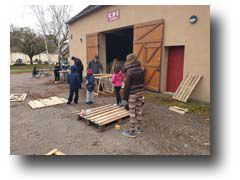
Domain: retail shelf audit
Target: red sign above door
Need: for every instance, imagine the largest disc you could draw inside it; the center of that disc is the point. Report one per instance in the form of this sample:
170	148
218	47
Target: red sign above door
113	15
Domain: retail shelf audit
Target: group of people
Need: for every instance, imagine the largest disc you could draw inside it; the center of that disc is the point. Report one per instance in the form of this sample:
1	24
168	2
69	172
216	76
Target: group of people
131	74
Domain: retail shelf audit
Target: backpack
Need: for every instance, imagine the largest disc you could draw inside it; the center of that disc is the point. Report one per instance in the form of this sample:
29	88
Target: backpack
91	83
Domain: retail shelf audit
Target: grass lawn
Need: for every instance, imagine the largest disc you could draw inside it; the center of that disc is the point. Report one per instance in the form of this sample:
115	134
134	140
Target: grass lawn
166	100
28	67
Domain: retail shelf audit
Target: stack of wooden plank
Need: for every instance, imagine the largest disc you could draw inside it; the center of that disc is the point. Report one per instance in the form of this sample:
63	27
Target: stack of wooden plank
186	87
178	109
103	115
18	97
55	152
103	84
40	103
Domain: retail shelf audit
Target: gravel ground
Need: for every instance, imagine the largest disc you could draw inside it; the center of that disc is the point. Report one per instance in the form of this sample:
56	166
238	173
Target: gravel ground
36	132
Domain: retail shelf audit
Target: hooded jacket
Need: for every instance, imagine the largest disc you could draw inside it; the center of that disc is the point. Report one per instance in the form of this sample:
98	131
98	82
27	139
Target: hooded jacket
134	81
74	79
117	79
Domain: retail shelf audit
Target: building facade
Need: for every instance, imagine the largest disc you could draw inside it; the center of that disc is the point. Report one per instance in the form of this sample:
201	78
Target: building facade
170	41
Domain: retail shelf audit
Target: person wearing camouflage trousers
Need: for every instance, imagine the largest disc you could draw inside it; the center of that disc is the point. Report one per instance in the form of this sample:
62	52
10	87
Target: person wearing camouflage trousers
133	94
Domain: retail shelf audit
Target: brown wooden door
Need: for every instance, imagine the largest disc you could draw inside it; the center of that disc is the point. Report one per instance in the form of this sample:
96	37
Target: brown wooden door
92	46
148	38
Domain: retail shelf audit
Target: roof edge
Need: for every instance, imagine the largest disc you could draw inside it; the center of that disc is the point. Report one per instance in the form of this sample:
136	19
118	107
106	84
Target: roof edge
86	11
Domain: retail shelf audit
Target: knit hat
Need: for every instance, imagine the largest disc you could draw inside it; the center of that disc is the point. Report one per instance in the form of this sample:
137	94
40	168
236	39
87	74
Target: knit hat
89	72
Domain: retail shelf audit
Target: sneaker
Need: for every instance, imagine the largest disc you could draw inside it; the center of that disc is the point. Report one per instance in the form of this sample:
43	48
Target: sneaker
139	130
115	105
68	103
91	102
120	105
87	103
55	82
129	133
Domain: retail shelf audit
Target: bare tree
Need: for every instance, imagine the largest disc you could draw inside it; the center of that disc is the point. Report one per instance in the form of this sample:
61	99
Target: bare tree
51	20
59	15
42	23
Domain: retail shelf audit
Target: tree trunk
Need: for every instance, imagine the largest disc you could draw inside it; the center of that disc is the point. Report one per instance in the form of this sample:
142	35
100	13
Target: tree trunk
59	54
46	46
31	60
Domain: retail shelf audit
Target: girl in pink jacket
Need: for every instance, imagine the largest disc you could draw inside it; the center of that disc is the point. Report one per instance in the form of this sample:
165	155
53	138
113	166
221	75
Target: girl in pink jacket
117	80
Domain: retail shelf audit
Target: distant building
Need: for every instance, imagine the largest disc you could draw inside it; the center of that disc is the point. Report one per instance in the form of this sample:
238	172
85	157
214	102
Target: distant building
25	59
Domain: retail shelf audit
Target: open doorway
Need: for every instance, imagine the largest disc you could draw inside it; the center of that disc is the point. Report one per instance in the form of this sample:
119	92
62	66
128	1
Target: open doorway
119	43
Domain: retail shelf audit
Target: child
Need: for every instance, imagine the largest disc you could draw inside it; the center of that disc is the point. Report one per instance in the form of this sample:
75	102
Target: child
57	68
117	80
74	84
90	85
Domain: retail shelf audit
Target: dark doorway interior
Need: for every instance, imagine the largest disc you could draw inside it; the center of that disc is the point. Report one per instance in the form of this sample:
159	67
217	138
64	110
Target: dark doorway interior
119	44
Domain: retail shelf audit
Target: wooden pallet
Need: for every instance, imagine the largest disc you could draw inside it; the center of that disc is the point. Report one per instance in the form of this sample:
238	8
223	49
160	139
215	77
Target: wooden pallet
103	84
18	97
55	152
41	103
103	115
186	87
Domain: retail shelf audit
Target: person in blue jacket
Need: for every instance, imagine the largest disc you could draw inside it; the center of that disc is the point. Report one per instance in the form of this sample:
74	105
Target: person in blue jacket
74	84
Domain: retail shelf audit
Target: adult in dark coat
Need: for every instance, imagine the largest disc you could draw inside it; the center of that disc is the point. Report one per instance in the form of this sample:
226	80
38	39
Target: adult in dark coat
95	65
79	65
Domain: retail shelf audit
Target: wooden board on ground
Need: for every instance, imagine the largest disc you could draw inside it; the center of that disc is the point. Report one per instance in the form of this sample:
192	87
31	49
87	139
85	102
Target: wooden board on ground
40	103
178	109
103	84
18	97
103	115
55	152
186	87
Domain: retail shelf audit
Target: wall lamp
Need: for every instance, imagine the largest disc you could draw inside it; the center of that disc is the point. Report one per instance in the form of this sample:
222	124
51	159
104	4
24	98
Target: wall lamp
193	19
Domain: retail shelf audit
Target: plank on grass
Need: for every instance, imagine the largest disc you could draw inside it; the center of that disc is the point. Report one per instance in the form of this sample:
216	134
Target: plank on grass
183	109
176	110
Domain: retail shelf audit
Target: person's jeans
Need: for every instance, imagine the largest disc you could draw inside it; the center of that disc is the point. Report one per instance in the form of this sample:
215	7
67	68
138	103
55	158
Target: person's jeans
90	95
118	95
72	92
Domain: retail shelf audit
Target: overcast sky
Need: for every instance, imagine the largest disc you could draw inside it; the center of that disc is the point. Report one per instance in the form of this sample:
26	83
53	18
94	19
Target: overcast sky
22	16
